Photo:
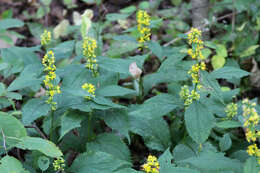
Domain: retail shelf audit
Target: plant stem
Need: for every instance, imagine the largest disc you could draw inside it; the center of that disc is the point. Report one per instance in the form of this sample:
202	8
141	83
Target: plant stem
89	122
52	126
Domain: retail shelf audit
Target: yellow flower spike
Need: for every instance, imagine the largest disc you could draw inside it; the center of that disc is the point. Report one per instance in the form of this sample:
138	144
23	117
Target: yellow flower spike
45	37
90	88
231	110
143	26
151	165
50	68
89	47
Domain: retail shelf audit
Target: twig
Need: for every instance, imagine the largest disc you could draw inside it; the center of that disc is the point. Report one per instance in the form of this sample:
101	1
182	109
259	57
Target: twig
201	27
4	144
45	13
37	129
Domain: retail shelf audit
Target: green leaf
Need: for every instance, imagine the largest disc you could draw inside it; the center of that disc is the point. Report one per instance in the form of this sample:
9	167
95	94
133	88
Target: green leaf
218	61
156	106
229	72
114	90
97	162
199	121
221	50
12	128
70	120
155	132
249	51
118	120
214	163
225	142
44	146
43	163
116	16
251	166
172	169
165	159
211	85
28	78
10	164
156	49
127	170
10	23
33	109
182	152
64	50
111	144
119	48
228	124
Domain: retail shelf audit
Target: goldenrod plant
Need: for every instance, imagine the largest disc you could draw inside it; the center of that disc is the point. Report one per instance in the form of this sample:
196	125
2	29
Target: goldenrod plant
129	87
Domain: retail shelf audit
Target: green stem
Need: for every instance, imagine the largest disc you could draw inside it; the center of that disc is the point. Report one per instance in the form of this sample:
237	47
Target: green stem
89	125
52	126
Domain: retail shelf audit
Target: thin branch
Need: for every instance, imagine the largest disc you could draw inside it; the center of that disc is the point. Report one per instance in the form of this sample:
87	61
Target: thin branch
233	16
38	130
4	144
201	27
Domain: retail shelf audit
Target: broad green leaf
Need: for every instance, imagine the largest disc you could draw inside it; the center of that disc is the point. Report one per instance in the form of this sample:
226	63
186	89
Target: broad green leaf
218	61
199	121
43	163
116	16
33	109
221	50
156	49
211	85
46	147
249	51
10	23
9	164
156	106
214	163
119	48
155	132
251	166
111	144
228	124
130	9
70	120
63	50
118	121
229	72
12	128
165	159
225	142
120	65
127	170
114	90
172	169
28	78
97	162
182	152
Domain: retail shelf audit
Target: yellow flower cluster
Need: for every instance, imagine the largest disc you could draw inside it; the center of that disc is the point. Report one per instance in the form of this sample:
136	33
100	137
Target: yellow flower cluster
143	26
52	89
251	119
188	96
151	165
45	37
196	43
90	88
59	164
89	46
194	71
231	110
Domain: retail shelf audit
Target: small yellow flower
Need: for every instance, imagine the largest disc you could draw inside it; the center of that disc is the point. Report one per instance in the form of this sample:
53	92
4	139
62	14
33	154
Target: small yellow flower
89	47
152	165
49	67
59	164
90	88
231	110
143	26
45	37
